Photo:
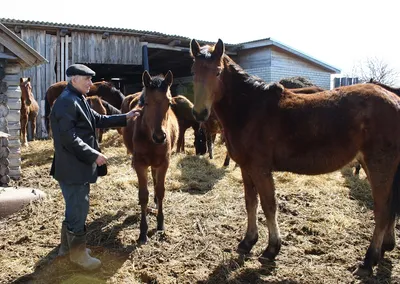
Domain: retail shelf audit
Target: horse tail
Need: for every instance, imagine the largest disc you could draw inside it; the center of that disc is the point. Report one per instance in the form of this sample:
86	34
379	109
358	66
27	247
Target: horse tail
47	113
395	206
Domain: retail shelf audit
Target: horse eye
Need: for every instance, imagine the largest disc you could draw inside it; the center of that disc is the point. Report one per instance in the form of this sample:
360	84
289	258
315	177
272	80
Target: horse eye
218	72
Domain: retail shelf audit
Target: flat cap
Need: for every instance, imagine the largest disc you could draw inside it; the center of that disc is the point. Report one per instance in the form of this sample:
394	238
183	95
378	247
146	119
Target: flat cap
79	69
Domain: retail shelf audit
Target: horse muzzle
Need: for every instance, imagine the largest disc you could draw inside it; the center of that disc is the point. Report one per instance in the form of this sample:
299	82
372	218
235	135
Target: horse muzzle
159	138
202	115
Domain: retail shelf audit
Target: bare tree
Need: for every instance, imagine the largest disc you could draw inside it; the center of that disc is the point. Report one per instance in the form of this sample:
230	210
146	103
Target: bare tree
376	69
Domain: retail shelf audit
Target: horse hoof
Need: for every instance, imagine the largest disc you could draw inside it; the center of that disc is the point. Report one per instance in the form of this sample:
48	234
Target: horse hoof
363	271
245	247
267	256
142	239
265	260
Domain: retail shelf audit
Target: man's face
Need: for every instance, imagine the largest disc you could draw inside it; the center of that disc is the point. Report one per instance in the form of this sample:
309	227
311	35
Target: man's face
82	83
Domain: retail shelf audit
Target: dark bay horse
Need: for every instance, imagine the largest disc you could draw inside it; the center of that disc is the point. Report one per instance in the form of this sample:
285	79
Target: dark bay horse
150	138
182	108
105	90
29	110
268	128
389	88
104	108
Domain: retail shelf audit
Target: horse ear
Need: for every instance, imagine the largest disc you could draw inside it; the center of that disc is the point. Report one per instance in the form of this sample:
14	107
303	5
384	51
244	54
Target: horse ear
29	79
146	79
194	48
21	80
169	78
219	49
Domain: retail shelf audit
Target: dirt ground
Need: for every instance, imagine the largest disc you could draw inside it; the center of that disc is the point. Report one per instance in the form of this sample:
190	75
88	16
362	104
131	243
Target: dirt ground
326	224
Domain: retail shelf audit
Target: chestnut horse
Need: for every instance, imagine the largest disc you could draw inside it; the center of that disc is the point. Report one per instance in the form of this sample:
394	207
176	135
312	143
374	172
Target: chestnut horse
268	128
29	110
150	138
102	89
182	108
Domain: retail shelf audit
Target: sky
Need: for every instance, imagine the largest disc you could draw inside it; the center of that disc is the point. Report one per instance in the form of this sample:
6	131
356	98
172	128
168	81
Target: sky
339	33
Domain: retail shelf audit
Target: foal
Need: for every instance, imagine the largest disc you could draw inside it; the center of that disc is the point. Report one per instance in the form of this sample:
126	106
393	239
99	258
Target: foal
155	133
29	110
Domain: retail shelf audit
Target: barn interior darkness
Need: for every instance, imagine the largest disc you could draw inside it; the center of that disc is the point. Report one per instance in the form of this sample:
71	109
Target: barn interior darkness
128	78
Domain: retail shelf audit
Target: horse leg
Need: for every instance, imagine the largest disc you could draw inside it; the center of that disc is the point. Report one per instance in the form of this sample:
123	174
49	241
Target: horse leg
381	185
101	131
250	194
24	124
33	126
357	169
154	176
160	192
180	139
227	160
210	145
264	184
389	240
141	172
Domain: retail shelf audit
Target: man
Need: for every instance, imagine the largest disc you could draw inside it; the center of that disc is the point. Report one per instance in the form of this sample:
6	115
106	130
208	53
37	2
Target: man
77	159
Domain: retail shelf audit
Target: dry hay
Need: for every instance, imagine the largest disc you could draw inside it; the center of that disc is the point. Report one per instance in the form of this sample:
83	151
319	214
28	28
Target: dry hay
296	82
326	223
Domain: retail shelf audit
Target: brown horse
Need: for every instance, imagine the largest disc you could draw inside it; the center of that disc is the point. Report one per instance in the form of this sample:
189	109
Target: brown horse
96	104
306	90
182	108
130	102
268	128
102	89
104	108
29	110
150	138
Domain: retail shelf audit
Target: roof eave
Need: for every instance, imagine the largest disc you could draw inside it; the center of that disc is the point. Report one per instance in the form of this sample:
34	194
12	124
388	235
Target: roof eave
272	42
31	57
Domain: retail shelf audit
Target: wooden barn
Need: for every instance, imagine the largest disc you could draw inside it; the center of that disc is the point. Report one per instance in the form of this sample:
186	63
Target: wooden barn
121	55
15	56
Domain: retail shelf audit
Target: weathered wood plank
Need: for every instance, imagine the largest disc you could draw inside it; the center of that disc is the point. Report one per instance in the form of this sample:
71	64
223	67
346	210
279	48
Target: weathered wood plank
13	69
12	80
66	52
58	56
62	69
14	103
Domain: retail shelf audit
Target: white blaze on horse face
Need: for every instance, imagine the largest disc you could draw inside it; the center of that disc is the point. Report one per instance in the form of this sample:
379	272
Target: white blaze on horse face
205	85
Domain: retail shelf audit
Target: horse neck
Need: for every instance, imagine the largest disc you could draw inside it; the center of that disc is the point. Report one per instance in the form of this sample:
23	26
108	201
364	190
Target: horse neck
229	105
24	96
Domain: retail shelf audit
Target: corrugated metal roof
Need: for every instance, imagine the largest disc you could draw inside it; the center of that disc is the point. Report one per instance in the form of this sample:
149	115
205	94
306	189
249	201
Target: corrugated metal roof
86	27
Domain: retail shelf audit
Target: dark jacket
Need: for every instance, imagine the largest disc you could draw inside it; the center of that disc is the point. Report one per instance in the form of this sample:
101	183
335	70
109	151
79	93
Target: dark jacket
76	149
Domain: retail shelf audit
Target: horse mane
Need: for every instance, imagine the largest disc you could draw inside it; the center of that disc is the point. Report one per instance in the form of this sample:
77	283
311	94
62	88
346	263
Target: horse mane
249	84
389	88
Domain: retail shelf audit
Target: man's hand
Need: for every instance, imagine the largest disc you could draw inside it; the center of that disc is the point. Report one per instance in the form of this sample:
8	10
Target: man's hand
133	113
101	160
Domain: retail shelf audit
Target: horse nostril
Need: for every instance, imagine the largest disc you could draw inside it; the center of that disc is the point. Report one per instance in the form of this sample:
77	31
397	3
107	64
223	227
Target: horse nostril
202	116
159	139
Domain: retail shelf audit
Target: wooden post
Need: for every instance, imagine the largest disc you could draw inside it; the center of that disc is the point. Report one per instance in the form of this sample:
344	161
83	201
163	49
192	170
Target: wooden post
66	52
58	56
145	58
62	78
